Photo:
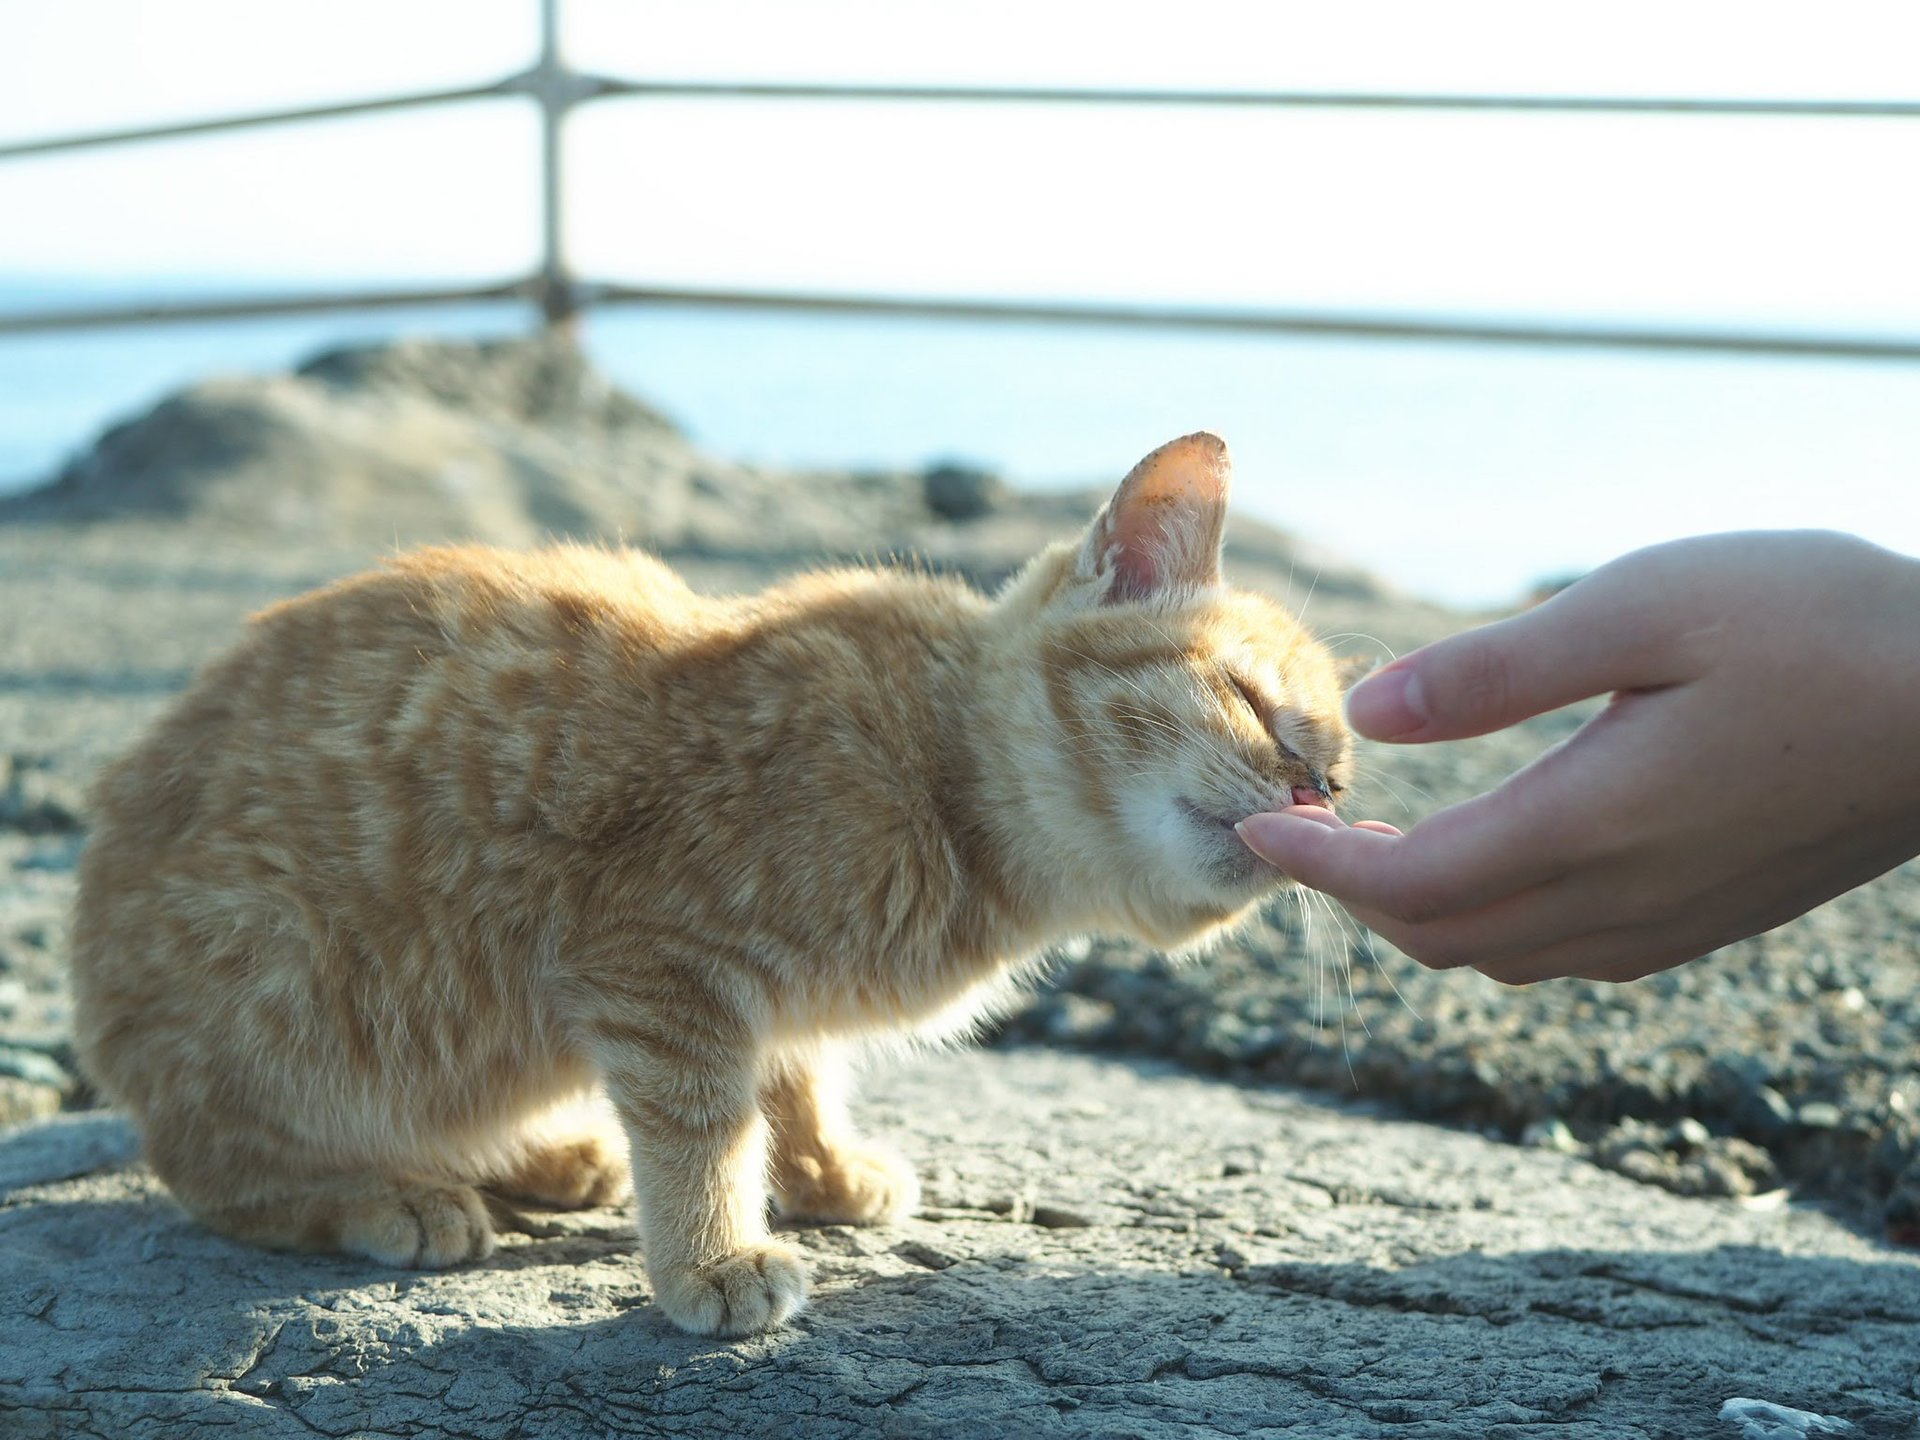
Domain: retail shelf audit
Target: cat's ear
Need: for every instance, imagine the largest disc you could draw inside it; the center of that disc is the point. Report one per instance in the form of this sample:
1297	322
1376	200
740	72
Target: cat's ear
1160	532
1352	669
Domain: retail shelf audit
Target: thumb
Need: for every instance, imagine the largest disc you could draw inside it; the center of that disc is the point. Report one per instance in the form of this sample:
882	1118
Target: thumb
1618	629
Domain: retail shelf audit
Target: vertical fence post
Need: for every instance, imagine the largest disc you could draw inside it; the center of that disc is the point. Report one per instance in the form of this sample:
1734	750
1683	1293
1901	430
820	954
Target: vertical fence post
555	91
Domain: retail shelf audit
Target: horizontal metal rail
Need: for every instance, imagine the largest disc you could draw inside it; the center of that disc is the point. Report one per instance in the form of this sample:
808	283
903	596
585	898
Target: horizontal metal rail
556	88
593	87
1332	324
241	307
1289	322
187	129
1265	99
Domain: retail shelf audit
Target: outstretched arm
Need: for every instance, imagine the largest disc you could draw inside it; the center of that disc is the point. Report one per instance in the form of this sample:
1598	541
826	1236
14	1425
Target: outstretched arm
1761	754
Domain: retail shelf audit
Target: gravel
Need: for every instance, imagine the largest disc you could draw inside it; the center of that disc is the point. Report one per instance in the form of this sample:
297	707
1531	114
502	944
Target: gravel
1789	1057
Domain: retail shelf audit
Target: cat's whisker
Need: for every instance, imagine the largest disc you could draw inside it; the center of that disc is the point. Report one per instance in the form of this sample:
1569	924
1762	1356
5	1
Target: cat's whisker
1301	613
1364	780
1319	962
1346	1051
1374	955
1360	635
1344	961
1369	774
1335	914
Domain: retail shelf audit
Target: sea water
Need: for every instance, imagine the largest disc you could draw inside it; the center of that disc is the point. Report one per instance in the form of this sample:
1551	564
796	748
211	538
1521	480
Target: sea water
1465	473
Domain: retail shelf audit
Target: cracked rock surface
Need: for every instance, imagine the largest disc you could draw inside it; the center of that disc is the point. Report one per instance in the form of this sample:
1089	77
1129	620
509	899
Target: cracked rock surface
1108	1249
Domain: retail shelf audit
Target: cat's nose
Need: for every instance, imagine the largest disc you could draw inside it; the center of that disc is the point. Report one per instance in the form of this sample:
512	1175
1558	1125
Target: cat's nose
1312	795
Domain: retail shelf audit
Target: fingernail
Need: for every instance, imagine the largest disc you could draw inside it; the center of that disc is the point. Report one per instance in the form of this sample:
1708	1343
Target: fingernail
1268	832
1387	705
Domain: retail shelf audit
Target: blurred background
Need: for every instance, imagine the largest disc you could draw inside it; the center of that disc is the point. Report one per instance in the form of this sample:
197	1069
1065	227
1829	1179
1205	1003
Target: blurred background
1464	470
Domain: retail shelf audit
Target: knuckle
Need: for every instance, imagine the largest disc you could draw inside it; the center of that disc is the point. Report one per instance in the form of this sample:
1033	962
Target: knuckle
1418	907
1438	947
1481	685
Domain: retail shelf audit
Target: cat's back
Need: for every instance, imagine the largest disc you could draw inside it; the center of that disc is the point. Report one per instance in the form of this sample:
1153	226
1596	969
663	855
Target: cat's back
347	704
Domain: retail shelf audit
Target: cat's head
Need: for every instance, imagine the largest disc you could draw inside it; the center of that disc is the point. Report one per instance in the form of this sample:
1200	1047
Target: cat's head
1165	706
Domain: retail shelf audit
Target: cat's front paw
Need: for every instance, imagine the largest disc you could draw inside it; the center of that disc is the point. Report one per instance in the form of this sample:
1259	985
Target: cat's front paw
757	1287
865	1185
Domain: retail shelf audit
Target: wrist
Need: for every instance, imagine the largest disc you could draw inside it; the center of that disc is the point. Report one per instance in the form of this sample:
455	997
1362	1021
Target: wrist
1888	665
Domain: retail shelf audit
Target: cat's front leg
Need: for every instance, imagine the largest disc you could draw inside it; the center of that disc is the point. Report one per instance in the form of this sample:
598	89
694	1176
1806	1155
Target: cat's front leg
683	1078
821	1169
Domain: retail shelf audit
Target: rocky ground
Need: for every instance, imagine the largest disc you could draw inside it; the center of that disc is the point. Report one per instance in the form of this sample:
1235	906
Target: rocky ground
1783	1066
1108	1248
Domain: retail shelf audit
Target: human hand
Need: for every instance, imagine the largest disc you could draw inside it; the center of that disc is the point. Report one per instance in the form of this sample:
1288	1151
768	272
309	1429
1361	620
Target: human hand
1761	754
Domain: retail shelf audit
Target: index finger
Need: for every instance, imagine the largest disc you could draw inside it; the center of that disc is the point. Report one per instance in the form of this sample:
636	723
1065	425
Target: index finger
1622	628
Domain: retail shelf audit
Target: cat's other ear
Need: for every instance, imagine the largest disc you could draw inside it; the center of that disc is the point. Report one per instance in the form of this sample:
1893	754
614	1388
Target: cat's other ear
1352	669
1160	532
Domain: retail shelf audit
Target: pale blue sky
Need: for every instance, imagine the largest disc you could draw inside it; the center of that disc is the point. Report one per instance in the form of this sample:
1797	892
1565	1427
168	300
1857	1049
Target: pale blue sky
1790	222
1808	224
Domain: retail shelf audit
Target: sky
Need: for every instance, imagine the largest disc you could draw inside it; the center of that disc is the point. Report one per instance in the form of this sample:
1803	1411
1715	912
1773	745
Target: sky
1753	223
1723	220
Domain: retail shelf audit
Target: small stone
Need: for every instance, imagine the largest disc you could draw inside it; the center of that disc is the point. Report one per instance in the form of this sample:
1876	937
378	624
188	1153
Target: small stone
1691	1133
1017	1208
34	1068
1075	950
59	854
924	1255
22	1103
1767	1110
1225	1037
956	491
34	798
1056	1217
1078	1020
1820	1115
1550	1134
1766	1420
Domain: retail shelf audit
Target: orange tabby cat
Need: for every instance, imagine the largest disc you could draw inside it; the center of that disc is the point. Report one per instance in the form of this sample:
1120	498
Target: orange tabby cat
446	857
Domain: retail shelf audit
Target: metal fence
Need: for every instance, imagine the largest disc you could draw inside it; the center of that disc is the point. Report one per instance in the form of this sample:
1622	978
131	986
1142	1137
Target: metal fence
559	295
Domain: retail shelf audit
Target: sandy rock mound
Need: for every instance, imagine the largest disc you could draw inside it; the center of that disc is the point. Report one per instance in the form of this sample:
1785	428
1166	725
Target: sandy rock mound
515	441
508	442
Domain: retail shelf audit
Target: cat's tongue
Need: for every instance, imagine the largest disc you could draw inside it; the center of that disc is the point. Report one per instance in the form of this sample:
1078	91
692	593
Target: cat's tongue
1318	811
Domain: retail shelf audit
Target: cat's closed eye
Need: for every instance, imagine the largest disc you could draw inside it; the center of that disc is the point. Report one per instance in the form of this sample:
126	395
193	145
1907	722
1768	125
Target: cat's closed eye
1263	713
1254	700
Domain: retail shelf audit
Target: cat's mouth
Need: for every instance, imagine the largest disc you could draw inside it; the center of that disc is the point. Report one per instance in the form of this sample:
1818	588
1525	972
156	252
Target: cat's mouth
1222	853
1227	856
1206	819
